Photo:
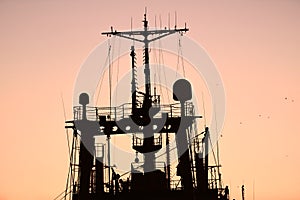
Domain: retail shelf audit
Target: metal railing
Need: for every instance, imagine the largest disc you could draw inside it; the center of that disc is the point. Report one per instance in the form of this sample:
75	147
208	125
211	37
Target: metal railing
125	110
137	141
138	166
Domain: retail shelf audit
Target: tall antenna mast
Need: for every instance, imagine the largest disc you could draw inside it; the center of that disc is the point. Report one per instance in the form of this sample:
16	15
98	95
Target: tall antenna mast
144	38
140	113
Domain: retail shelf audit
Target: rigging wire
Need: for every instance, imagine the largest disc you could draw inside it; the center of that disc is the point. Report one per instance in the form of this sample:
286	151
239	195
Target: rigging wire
70	175
161	59
60	194
217	133
110	71
164	73
214	155
107	61
118	66
218	152
104	71
67	132
68	141
116	100
180	57
157	67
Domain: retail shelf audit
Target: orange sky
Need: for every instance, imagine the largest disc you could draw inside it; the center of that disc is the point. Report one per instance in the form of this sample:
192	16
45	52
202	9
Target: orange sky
255	45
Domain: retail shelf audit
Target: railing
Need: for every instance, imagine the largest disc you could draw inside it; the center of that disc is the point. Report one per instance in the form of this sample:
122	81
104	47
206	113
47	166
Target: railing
136	141
124	111
176	185
112	113
138	166
99	150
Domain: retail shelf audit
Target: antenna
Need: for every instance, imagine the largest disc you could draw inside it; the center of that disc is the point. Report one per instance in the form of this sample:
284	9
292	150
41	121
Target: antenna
243	192
175	19
144	38
169	21
160	24
131	24
67	132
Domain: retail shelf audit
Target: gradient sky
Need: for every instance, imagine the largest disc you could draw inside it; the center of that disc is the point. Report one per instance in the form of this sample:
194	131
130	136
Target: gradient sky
255	45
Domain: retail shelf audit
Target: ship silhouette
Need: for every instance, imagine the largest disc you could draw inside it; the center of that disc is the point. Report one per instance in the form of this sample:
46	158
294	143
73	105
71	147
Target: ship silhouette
90	177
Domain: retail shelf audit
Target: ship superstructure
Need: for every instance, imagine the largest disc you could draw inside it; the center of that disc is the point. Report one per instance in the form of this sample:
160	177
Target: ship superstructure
92	178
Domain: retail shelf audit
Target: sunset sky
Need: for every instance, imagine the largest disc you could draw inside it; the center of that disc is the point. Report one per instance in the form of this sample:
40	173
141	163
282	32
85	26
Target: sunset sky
255	45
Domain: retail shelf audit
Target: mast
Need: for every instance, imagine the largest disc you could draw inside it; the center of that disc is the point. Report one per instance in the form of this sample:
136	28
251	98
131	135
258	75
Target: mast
144	38
140	115
133	81
243	192
146	62
206	142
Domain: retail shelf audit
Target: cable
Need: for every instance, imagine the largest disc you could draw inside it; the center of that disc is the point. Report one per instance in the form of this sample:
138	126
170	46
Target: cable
181	55
161	58
177	66
68	141
67	132
157	69
118	66
101	80
212	150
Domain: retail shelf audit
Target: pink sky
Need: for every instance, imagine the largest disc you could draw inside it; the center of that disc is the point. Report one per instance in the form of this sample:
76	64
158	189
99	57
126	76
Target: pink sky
255	45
